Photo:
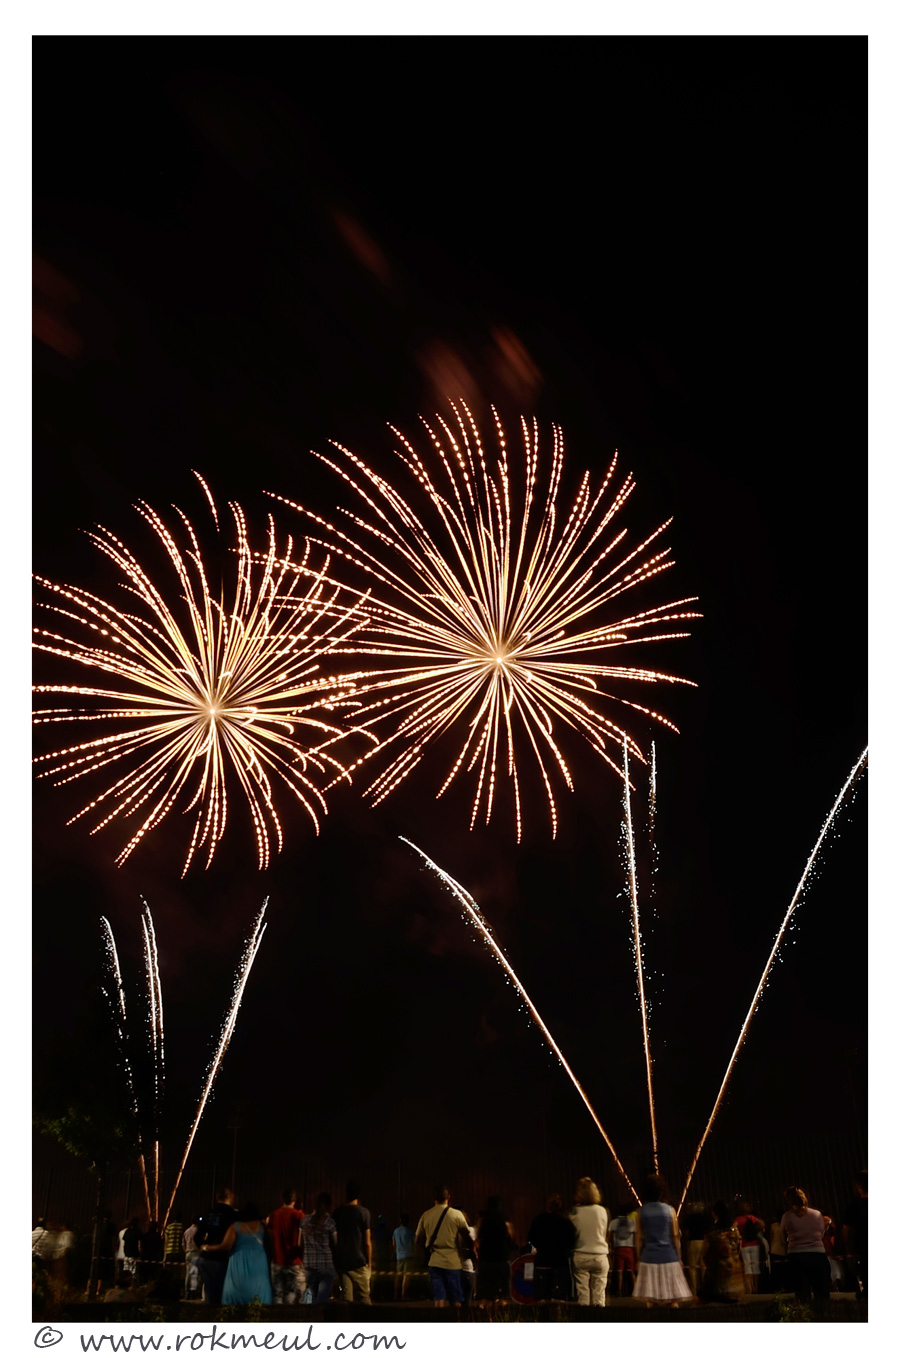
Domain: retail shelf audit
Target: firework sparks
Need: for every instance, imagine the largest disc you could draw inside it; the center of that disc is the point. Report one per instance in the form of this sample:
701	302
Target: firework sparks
243	974
855	772
120	1020
477	919
209	684
157	1053
651	820
638	945
496	617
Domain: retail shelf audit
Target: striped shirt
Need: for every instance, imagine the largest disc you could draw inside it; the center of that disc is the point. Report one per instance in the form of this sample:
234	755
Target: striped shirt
174	1238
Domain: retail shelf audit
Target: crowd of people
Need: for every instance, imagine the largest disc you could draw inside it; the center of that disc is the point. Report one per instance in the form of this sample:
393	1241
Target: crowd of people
715	1253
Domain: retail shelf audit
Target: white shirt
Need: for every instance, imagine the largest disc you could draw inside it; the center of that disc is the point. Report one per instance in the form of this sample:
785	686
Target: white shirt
591	1224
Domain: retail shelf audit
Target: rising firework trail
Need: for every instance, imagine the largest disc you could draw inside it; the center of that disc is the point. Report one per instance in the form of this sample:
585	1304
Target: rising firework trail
120	1019
493	613
651	820
477	919
211	677
156	1037
250	950
855	772
638	946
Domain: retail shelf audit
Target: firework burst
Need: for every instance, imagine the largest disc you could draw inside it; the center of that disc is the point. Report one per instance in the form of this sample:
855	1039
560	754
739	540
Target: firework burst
208	680
495	611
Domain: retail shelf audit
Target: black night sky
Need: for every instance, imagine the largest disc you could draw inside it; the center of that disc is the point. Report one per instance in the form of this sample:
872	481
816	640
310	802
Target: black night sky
245	247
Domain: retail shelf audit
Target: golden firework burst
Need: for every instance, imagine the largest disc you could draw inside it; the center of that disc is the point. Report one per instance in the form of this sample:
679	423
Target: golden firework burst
207	681
492	610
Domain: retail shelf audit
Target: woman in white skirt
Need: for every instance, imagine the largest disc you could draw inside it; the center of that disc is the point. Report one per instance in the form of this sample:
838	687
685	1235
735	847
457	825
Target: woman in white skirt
660	1278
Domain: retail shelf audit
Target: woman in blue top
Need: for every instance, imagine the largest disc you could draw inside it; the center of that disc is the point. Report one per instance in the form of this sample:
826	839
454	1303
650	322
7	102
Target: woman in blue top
248	1263
660	1275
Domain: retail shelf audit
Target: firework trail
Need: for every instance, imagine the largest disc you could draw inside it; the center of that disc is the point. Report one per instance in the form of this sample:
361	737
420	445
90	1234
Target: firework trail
855	772
157	1053
638	946
120	1019
494	616
651	820
475	916
251	948
204	684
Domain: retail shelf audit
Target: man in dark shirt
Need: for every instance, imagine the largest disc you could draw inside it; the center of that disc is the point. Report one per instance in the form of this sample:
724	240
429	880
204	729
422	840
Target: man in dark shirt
353	1255
855	1230
213	1262
552	1237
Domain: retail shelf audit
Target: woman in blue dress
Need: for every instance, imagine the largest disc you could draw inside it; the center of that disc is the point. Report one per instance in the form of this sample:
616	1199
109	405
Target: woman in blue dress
247	1278
660	1276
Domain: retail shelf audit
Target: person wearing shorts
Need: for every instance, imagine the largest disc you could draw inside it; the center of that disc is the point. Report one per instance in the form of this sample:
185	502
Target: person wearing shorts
439	1227
749	1227
622	1231
404	1245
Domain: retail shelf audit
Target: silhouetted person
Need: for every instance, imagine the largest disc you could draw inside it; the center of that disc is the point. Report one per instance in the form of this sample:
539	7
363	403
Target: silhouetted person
107	1242
173	1252
403	1243
720	1259
213	1261
660	1277
381	1246
855	1231
152	1248
694	1225
353	1252
552	1237
493	1245
248	1276
804	1231
590	1260
288	1275
748	1228
319	1237
622	1236
130	1238
438	1232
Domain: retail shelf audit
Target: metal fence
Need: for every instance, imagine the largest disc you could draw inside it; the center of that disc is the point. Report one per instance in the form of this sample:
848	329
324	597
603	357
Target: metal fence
756	1168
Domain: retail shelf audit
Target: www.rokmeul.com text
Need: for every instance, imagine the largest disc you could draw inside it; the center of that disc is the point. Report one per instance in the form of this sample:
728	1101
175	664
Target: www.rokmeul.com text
219	1338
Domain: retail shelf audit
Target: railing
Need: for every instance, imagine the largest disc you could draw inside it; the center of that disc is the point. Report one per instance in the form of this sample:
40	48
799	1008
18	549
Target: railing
756	1168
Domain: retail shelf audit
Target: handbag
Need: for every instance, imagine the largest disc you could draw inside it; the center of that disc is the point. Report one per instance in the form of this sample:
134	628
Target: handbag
430	1245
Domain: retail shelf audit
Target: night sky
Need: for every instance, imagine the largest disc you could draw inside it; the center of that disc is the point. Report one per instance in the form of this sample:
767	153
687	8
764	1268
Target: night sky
247	247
